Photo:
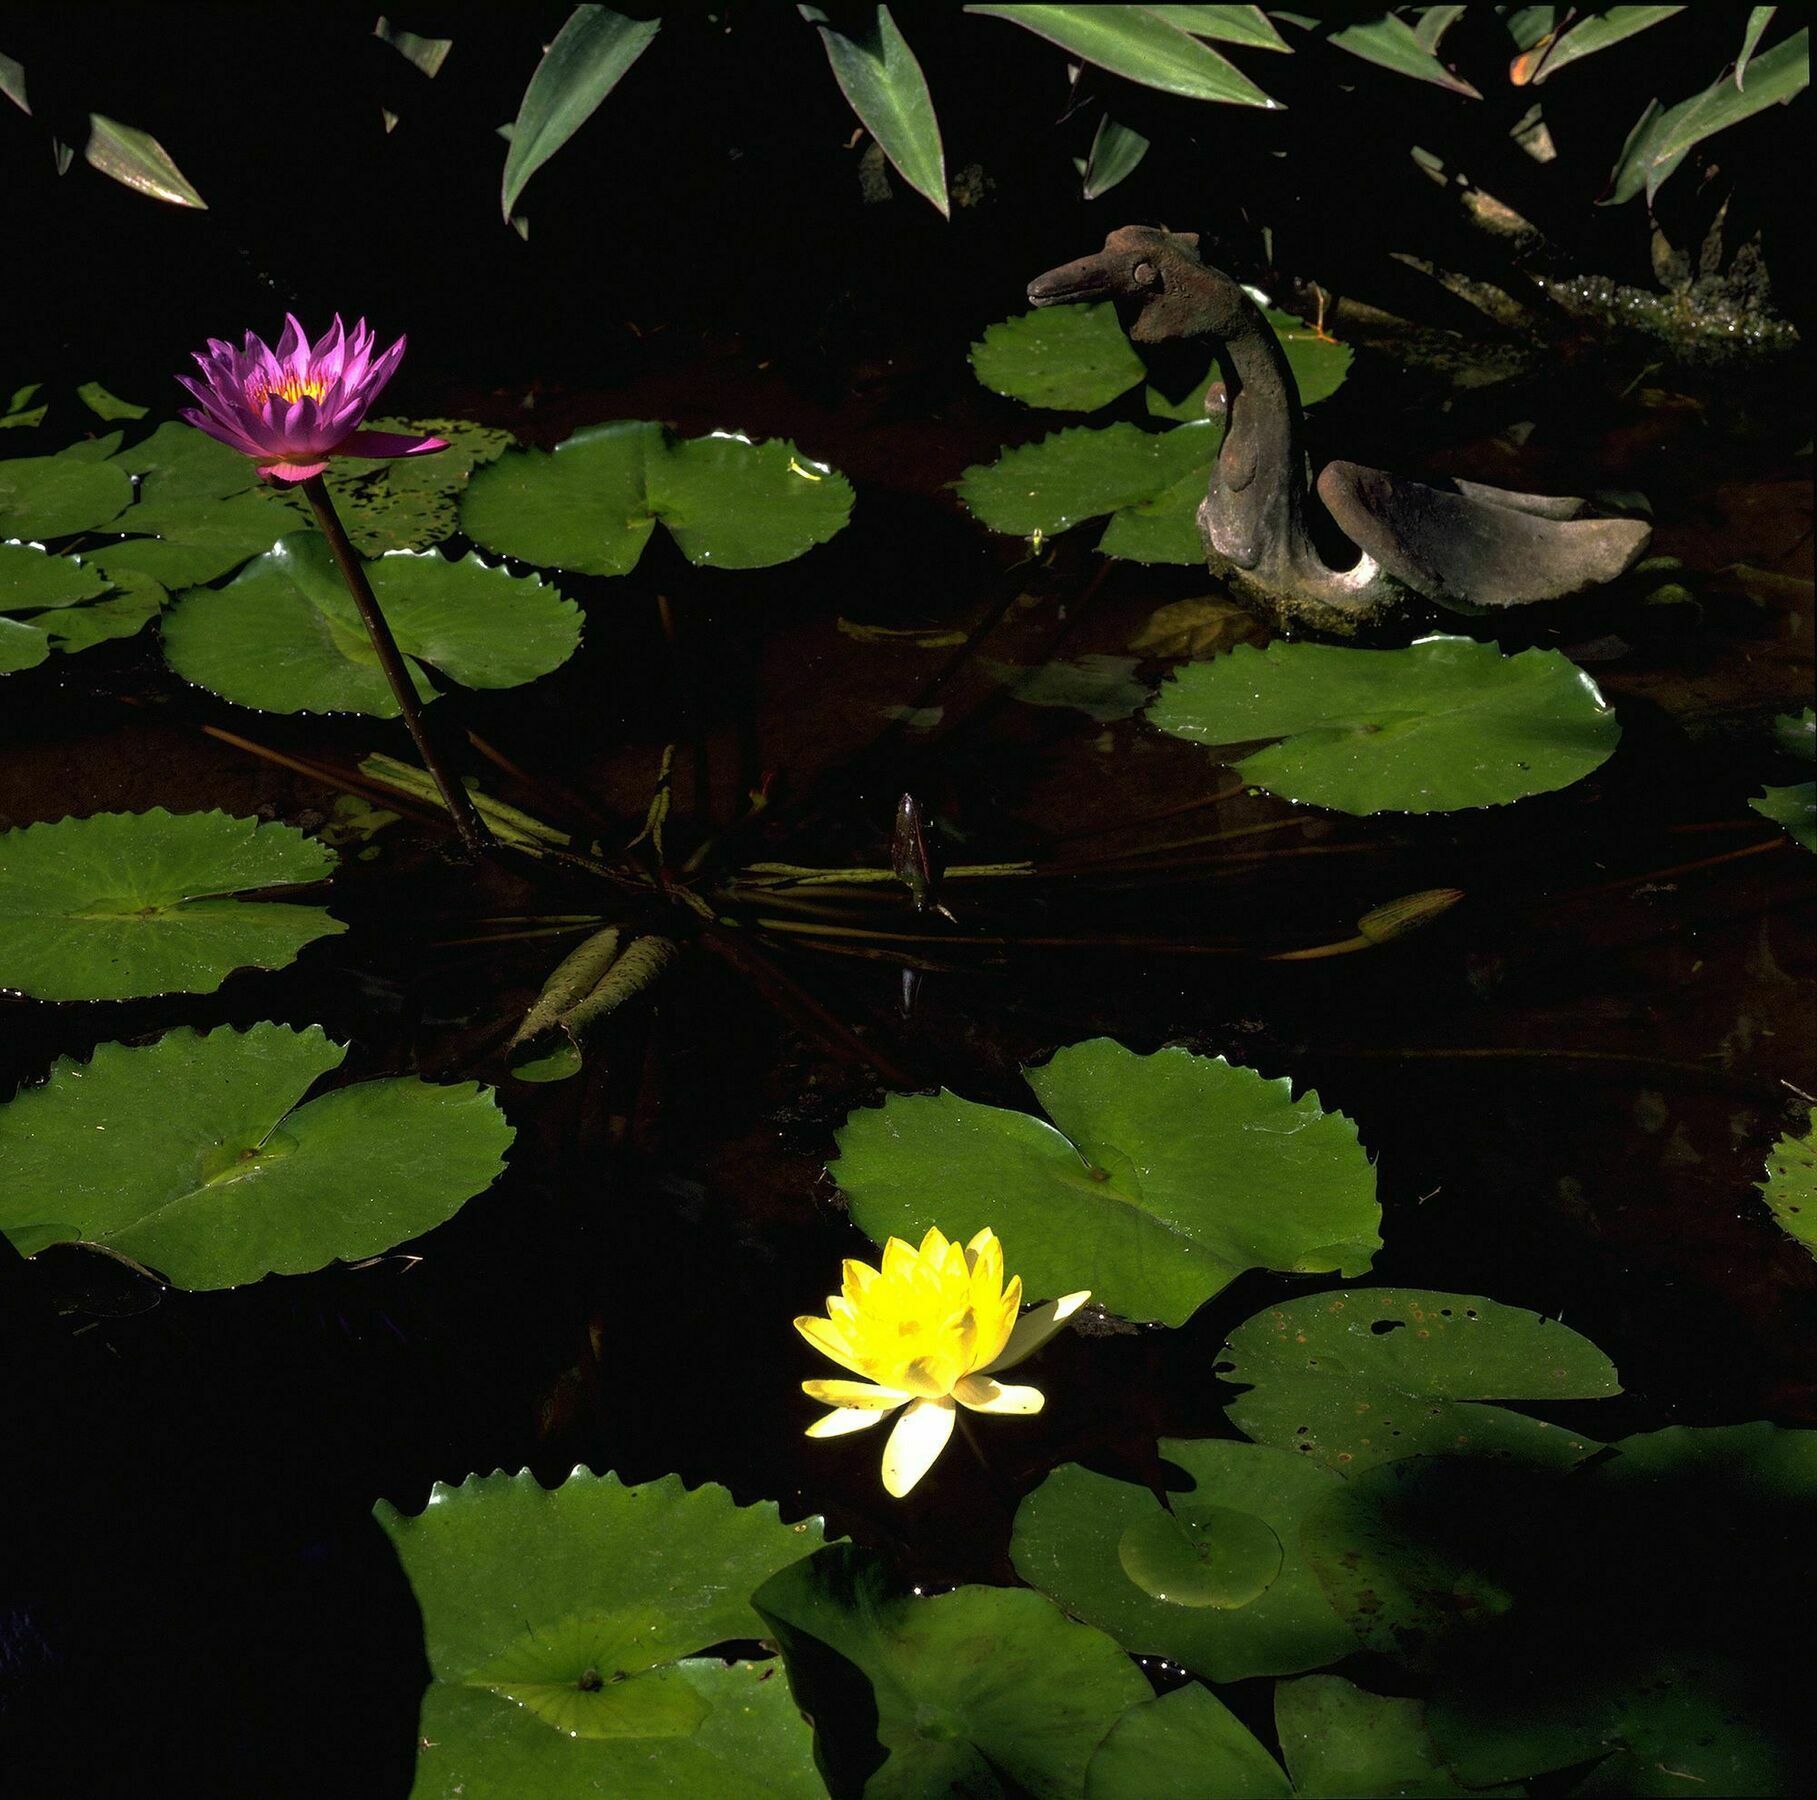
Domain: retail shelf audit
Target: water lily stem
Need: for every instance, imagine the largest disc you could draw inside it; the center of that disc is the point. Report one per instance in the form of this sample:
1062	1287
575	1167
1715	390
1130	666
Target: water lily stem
475	838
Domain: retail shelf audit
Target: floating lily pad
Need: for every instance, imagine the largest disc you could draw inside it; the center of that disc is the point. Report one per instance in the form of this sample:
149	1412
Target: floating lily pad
1208	1556
178	462
1444	724
31	579
121	612
1795	734
565	1628
1186	1745
22	645
1144	478
982	1690
1793	809
1160	1181
411	502
1319	366
1073	1534
1072	358
1368	1375
125	904
189	540
192	1156
284	636
56	496
591	503
1102	687
1790	1188
108	406
1339	1741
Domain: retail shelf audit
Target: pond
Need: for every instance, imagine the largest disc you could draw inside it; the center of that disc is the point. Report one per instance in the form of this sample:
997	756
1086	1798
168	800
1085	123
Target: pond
1407	1042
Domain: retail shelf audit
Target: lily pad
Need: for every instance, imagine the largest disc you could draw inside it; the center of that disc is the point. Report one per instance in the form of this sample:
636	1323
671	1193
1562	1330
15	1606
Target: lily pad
1072	358
1209	1556
982	1690
1071	1539
1339	1740
1795	734
1184	1746
121	612
1319	364
31	579
1085	472
284	635
108	406
56	496
192	1156
1160	1181
1793	809
1790	1188
22	645
1369	1375
178	462
411	502
1101	686
1444	724
194	539
591	503
565	1628
125	904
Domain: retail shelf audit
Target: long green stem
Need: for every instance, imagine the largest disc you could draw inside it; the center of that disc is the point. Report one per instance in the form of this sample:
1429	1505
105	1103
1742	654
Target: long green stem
474	836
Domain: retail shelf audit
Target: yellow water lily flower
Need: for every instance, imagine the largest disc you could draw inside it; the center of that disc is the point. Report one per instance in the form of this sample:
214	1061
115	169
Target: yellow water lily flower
931	1328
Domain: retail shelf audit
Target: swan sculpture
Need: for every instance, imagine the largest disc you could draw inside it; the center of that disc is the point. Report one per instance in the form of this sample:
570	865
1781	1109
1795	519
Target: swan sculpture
1459	543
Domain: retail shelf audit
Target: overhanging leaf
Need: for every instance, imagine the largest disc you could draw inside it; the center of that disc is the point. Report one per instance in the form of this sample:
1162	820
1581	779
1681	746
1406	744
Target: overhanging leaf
1790	1187
1167	1176
124	904
564	1628
1370	1375
1115	152
981	1690
192	1156
284	635
137	160
1225	24
591	503
590	53
1444	724
1588	36
1069	1542
878	74
1391	43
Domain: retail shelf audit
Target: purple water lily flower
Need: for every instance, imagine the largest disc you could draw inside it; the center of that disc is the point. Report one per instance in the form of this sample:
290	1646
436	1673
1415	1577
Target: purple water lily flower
292	408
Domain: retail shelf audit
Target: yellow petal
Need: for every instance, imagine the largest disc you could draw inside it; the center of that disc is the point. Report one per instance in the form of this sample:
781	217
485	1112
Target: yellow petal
856	1393
898	1260
986	1236
858	1278
933	1245
829	1340
1034	1328
916	1442
984	1395
845	1419
987	1274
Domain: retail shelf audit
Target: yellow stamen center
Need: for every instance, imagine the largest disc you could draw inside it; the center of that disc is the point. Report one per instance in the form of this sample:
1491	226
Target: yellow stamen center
290	389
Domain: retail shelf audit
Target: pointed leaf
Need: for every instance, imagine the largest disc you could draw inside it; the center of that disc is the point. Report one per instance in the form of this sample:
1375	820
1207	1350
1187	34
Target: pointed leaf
1226	24
425	54
1115	152
879	76
1391	43
1759	18
137	160
1597	32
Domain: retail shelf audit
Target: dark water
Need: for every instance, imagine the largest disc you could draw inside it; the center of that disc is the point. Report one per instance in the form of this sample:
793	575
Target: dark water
1569	1083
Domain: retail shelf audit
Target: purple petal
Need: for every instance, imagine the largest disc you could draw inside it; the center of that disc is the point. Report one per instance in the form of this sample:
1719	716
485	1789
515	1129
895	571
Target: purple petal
292	471
234	440
295	338
380	373
388	443
326	358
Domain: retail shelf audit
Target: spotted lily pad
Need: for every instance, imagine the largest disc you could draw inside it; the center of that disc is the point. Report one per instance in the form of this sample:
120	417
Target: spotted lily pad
1369	1375
1161	1179
591	503
284	635
1790	1187
566	1629
124	904
193	1156
1150	481
1441	725
1072	358
1185	1745
1078	1533
57	496
979	1691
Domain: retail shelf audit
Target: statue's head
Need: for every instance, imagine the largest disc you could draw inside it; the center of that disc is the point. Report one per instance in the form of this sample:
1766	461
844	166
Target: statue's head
1162	289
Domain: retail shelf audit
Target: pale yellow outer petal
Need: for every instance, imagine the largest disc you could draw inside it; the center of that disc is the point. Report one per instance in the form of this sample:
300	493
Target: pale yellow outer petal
1034	1328
984	1395
857	1281
856	1393
829	1340
898	1260
919	1436
987	1274
845	1419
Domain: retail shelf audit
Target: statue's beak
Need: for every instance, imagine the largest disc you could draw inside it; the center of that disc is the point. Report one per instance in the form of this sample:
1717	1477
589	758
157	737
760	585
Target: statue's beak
1087	279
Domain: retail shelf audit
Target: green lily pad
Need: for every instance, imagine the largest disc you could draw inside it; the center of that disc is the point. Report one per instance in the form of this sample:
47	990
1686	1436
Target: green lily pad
411	502
1184	1746
1793	809
1102	686
1085	472
1369	1375
125	904
591	503
192	1156
121	612
178	463
1444	724
1790	1188
564	1628
1795	734
56	496
1211	1556
1339	1740
189	540
978	1691
31	579
108	406
1071	1534
1319	365
284	635
22	646
1072	358
1160	1181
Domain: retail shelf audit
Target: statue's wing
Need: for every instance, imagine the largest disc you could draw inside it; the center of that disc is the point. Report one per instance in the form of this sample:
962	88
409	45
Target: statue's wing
1482	546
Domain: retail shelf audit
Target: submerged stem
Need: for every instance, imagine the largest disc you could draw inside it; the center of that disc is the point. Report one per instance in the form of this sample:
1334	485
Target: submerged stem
474	836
